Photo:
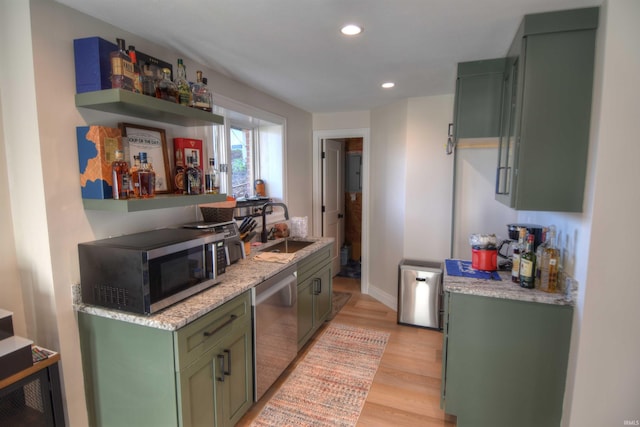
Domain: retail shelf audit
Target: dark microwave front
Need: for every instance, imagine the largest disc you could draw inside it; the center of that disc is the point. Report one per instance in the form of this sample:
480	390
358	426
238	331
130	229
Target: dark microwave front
146	272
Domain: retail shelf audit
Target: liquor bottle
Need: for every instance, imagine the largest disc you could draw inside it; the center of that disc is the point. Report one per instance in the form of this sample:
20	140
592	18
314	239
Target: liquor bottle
134	187
137	75
148	80
211	178
200	95
539	251
528	264
145	179
165	88
121	68
178	176
550	264
517	251
120	171
184	90
192	177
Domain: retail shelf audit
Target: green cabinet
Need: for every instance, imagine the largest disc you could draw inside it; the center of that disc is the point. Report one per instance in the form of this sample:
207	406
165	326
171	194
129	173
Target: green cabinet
504	361
314	293
201	374
546	109
478	99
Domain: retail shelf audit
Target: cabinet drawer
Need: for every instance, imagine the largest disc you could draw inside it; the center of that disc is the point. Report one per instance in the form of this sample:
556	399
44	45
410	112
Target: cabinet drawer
195	339
313	263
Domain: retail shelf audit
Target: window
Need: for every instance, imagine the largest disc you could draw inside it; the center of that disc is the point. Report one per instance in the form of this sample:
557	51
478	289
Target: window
250	146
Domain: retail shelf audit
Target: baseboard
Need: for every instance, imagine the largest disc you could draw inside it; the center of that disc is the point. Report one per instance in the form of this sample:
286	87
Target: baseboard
390	301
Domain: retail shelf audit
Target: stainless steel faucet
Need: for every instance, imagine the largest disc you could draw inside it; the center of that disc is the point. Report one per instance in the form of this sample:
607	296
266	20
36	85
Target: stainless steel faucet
263	234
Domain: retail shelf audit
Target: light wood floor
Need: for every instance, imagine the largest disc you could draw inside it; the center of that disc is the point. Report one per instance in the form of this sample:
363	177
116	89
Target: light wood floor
406	388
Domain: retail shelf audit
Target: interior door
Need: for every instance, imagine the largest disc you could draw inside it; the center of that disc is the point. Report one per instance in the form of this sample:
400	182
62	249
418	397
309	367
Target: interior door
333	196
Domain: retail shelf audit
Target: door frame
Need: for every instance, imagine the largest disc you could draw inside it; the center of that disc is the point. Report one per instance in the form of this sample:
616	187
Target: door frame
318	136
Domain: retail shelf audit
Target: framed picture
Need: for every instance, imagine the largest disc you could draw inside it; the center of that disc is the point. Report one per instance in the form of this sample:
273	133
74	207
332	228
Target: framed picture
152	141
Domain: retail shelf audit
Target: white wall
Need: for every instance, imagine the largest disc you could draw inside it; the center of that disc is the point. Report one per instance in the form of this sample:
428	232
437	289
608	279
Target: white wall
345	120
387	188
44	209
428	179
603	384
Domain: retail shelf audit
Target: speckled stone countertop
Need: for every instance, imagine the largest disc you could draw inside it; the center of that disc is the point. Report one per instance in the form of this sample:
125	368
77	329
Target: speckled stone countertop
238	278
506	289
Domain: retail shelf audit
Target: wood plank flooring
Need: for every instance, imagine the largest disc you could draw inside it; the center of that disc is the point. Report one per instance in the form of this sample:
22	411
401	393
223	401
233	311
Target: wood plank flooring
406	388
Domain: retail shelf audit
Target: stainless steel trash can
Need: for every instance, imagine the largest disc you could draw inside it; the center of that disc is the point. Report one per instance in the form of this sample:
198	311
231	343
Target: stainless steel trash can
420	293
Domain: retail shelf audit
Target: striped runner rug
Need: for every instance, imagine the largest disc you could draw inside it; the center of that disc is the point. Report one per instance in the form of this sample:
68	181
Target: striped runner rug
330	385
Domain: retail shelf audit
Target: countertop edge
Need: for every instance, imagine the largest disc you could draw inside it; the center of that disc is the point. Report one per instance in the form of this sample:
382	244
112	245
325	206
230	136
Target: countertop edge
238	278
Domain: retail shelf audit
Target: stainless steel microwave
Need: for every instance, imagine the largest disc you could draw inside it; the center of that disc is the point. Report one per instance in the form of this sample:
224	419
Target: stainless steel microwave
146	272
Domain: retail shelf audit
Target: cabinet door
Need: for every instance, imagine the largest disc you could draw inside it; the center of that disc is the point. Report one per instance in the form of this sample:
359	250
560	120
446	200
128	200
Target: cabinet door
506	361
322	295
197	386
305	311
234	394
478	99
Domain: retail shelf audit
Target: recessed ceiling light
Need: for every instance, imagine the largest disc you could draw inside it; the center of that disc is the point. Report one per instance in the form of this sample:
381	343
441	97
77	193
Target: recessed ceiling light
351	30
388	85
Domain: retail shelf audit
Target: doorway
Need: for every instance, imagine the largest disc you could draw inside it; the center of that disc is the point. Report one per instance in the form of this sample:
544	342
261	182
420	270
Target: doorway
347	174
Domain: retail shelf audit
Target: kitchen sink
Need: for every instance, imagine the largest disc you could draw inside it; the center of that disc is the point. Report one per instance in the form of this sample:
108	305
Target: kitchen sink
287	246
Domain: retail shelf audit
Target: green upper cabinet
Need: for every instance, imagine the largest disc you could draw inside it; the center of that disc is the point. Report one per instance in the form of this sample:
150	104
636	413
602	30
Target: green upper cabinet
478	99
546	110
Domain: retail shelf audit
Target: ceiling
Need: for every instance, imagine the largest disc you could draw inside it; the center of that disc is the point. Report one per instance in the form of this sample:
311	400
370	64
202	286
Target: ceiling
293	49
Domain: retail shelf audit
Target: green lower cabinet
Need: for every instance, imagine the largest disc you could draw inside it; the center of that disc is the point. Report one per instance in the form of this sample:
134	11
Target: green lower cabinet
140	376
217	389
504	361
314	294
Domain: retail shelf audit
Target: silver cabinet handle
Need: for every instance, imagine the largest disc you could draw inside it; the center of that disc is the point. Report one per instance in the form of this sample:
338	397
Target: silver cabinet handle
220	358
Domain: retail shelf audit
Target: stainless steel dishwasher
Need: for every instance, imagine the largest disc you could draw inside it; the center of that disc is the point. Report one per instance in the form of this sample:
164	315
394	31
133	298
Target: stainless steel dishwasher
275	328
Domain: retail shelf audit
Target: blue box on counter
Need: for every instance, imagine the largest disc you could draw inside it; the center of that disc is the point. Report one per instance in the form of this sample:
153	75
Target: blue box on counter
96	152
93	68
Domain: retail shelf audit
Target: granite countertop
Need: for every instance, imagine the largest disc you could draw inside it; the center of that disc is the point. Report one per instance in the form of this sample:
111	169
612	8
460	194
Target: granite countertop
238	278
506	289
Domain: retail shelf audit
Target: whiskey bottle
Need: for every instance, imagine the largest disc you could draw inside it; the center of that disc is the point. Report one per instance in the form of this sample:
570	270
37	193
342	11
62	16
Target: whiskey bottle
178	176
517	251
184	91
145	179
539	251
137	75
165	88
121	68
549	264
133	184
200	95
211	178
148	80
528	264
120	171
192	177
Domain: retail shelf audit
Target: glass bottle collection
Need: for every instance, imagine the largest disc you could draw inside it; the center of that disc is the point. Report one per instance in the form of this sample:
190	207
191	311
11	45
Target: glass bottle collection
138	181
536	268
127	74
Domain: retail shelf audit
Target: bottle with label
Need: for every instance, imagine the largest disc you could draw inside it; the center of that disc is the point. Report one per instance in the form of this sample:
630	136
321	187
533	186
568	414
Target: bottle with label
133	186
517	251
120	171
528	265
137	75
165	88
148	81
549	264
539	251
121	68
178	176
144	179
211	178
192	177
184	90
200	95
